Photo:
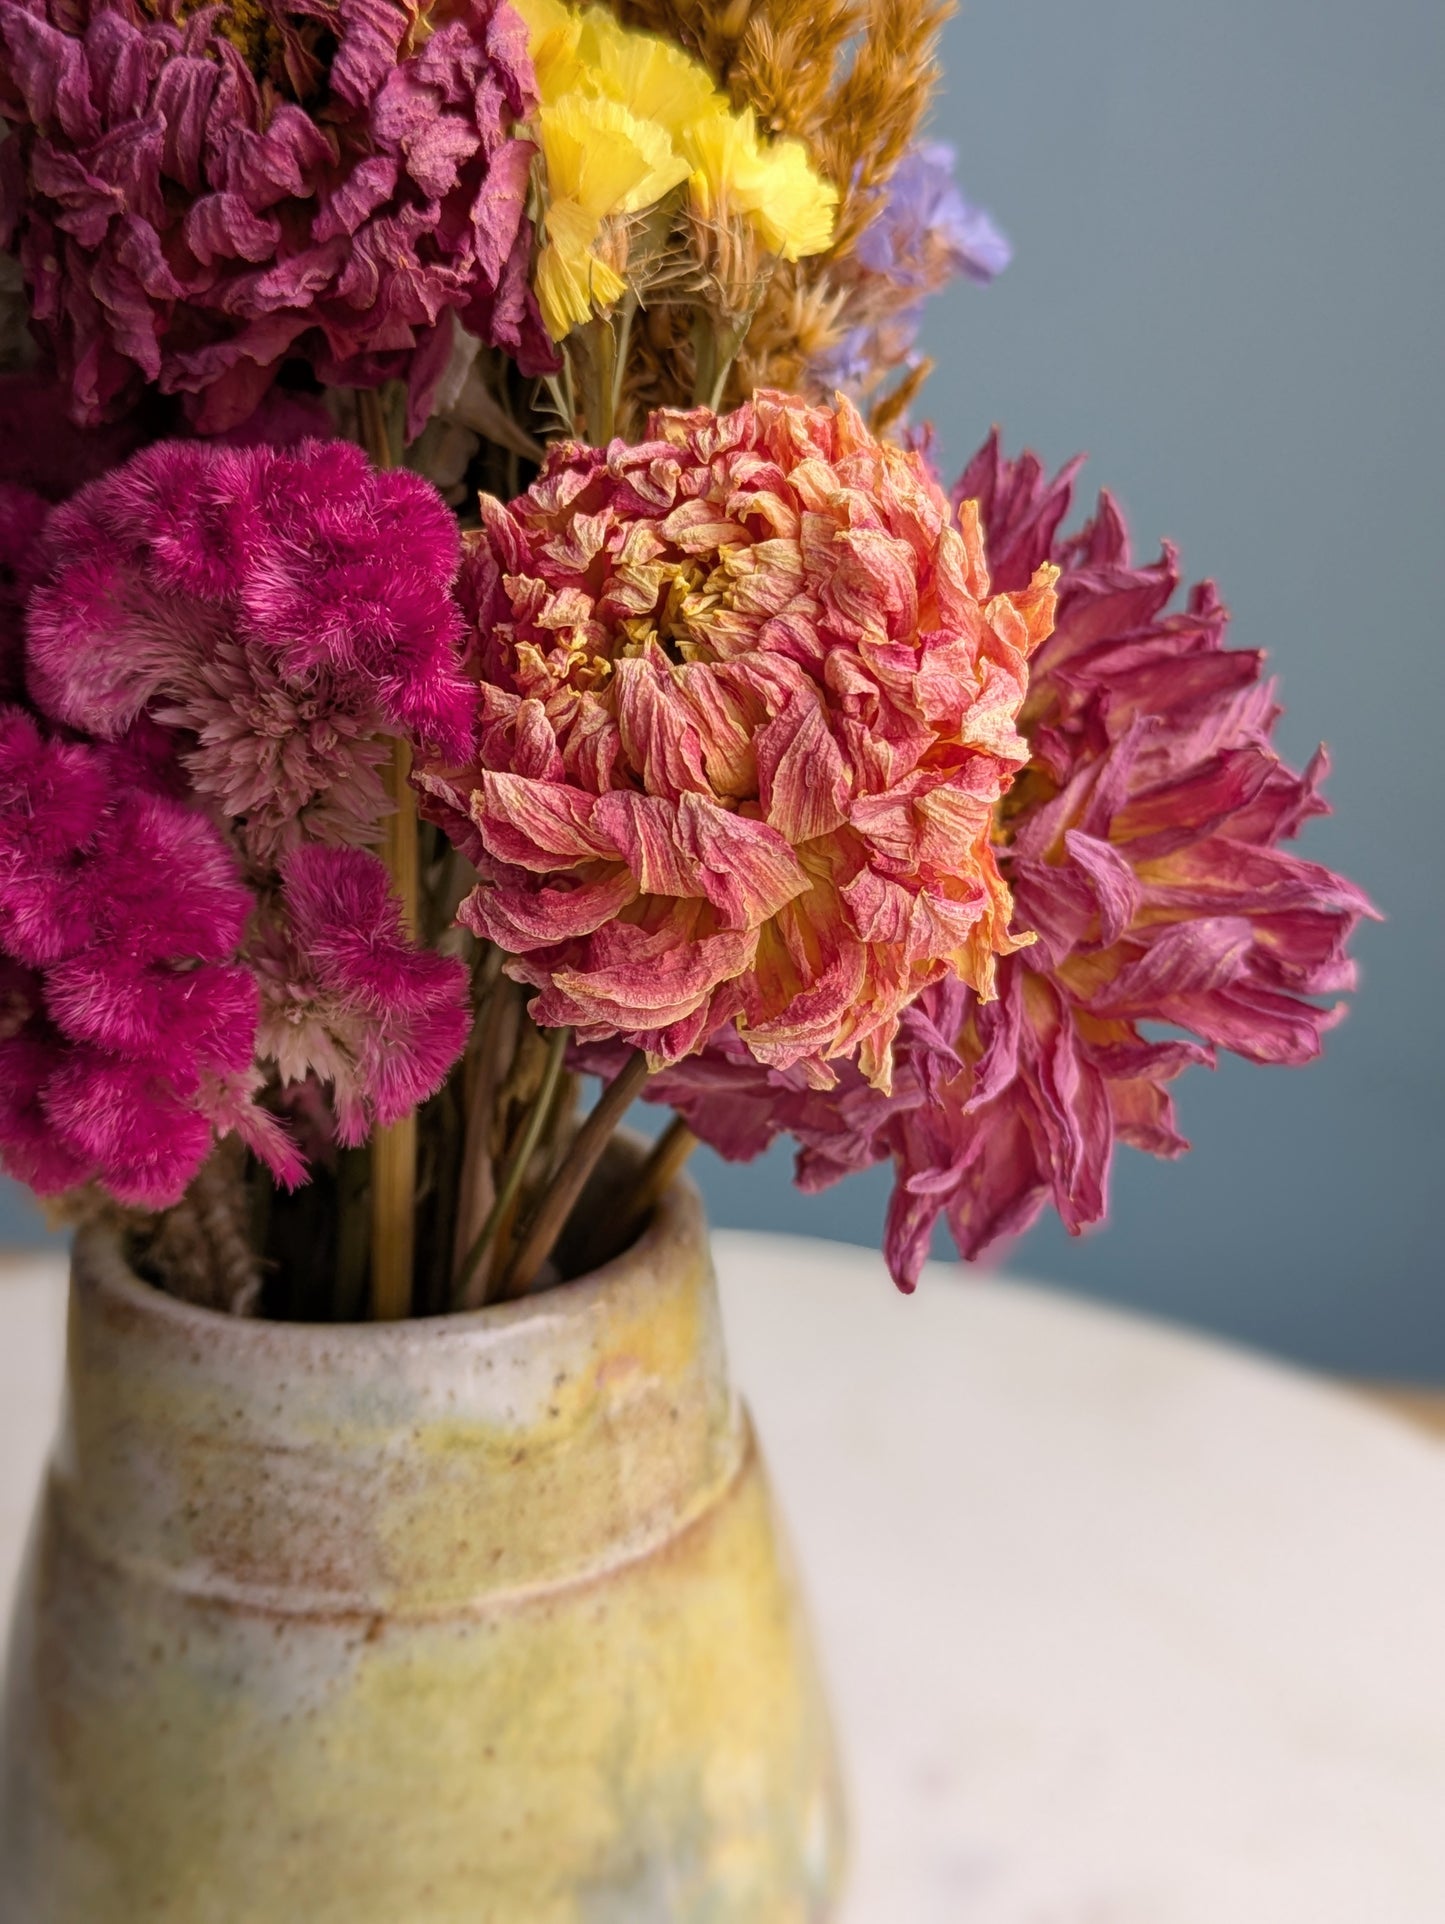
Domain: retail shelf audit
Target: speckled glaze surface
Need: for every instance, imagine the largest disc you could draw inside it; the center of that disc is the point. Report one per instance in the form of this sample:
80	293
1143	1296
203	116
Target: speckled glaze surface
475	1620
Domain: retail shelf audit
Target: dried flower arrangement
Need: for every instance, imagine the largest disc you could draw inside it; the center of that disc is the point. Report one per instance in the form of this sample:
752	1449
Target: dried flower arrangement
498	627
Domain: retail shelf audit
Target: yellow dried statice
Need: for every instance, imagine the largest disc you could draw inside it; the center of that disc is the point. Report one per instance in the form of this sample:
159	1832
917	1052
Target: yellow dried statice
603	164
625	118
770	184
651	76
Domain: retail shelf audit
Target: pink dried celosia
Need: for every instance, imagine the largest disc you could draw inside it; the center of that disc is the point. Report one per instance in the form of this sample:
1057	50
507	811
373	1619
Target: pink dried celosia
746	707
281	610
127	1025
346	996
143	914
1141	846
197	195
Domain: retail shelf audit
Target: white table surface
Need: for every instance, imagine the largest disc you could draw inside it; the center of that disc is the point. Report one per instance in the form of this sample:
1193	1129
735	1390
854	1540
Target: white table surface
1123	1627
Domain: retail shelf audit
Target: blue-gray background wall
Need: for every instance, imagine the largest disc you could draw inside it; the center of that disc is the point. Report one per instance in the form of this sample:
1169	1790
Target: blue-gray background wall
1228	290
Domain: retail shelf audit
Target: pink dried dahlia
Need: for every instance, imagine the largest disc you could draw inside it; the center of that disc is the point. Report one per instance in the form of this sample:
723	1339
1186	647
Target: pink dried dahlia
198	194
1141	846
746	708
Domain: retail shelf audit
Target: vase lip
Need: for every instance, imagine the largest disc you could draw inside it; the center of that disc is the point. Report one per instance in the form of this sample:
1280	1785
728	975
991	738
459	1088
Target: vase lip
677	1218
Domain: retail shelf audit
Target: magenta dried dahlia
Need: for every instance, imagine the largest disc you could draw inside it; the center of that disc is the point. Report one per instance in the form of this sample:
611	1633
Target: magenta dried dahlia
747	705
1141	845
198	194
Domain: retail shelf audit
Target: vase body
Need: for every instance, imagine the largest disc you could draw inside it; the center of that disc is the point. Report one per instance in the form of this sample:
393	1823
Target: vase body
471	1620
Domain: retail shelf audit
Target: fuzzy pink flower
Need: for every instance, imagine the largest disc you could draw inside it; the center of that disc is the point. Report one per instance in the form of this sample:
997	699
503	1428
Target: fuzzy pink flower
281	610
198	195
347	997
157	967
746	708
1141	846
129	1025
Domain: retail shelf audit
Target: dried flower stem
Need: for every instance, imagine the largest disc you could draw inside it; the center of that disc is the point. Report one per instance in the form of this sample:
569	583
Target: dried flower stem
202	1249
666	1157
393	1151
627	313
471	1291
594	360
480	1075
393	1148
375	437
556	1205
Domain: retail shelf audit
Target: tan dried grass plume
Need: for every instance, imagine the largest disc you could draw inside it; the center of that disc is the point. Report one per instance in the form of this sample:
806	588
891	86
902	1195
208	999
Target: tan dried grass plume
854	79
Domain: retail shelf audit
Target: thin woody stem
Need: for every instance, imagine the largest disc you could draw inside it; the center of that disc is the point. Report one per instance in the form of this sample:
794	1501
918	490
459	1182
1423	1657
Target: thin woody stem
393	1147
374	433
477	1185
664	1160
557	1204
624	341
471	1290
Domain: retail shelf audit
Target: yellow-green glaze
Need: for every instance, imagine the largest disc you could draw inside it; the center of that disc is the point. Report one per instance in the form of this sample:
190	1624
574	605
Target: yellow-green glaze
477	1620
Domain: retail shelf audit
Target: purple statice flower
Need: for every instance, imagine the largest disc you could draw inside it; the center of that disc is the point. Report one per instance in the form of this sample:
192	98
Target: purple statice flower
1146	848
281	611
923	234
197	196
127	1022
850	364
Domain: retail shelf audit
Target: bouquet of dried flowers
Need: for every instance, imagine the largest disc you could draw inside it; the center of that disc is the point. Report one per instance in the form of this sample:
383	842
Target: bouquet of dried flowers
497	626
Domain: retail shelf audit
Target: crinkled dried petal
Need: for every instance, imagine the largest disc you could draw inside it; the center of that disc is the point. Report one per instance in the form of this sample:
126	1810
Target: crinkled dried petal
748	703
180	224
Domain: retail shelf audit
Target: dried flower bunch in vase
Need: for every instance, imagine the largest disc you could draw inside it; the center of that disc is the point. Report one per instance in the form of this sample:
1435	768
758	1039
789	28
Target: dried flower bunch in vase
499	626
475	617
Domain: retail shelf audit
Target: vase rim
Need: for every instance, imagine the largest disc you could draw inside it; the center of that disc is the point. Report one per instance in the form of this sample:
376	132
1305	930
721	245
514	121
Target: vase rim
676	1218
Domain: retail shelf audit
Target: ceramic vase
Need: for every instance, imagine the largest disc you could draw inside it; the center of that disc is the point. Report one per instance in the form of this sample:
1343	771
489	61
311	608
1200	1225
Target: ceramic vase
483	1619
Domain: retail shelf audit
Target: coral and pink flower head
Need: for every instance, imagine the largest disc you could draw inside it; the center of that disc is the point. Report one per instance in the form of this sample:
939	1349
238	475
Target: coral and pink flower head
747	706
198	194
1143	848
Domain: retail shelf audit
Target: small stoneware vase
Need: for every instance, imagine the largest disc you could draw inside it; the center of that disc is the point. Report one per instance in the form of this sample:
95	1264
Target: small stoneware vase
482	1619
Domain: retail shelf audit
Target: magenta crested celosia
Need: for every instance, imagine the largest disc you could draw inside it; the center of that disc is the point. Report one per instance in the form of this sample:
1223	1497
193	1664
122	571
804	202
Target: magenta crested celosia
282	611
197	195
214	645
1141	845
127	1025
347	997
747	705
